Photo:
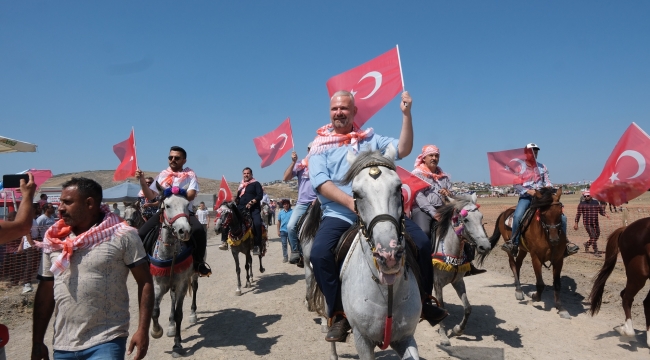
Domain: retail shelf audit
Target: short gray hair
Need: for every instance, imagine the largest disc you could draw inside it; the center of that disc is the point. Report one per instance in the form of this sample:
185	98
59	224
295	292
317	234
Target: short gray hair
343	93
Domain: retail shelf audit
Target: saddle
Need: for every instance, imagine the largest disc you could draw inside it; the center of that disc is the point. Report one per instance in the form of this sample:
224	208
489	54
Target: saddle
523	225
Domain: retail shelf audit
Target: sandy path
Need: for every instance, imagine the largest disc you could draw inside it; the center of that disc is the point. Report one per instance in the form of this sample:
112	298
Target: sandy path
270	321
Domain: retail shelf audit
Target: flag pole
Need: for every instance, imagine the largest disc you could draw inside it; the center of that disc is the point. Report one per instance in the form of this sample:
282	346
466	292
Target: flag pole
135	151
401	73
293	147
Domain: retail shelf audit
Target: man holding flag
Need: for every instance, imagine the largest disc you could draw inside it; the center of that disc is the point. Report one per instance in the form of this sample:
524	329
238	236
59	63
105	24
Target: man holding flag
327	166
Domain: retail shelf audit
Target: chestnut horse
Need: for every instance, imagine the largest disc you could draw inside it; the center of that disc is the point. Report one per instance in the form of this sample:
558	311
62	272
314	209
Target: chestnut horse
633	242
541	237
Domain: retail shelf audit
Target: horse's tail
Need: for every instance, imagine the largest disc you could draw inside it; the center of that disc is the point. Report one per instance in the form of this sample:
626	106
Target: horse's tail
311	223
611	254
494	239
315	298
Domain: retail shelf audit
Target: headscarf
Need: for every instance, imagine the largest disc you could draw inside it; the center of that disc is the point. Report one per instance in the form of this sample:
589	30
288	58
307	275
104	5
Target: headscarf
426	150
422	169
327	138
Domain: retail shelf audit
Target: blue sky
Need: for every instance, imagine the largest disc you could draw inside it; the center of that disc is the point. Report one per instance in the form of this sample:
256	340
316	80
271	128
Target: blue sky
210	76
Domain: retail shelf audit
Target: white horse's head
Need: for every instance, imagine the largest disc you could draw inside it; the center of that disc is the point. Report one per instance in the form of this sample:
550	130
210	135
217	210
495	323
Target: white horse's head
377	191
130	214
472	221
223	217
175	212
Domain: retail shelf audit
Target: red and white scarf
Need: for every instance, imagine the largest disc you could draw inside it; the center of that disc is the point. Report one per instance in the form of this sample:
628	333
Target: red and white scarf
243	184
169	176
327	138
423	170
57	238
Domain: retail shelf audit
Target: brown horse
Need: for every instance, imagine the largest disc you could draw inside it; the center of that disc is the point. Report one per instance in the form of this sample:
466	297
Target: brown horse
633	242
541	237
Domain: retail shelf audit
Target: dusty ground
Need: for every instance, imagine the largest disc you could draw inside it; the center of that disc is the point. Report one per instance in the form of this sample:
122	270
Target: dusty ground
270	321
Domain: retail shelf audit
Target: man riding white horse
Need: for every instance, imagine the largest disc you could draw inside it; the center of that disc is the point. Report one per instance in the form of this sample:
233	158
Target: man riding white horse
532	179
327	166
177	176
429	200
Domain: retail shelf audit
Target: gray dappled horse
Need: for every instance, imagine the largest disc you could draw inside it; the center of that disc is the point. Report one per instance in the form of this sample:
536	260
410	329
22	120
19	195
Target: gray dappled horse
240	239
377	289
449	261
133	215
172	266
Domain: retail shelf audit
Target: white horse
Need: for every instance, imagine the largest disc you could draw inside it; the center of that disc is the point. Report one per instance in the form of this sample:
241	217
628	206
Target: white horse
450	263
172	266
379	293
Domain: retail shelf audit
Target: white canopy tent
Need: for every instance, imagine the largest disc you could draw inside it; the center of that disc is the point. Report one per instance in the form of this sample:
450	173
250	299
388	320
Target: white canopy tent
8	145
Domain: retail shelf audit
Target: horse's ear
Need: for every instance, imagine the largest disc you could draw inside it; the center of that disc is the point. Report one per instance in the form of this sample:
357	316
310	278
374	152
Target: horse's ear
538	194
390	152
160	189
351	156
559	194
474	197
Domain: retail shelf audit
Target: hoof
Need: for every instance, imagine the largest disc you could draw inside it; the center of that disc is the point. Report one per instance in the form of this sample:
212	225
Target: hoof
624	332
262	270
192	319
519	295
238	292
171	331
247	285
445	342
564	314
176	352
156	334
323	328
176	355
458	331
533	295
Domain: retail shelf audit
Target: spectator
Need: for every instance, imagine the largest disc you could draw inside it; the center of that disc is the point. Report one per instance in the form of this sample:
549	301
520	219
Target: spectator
42	201
90	299
46	220
203	215
283	220
12	230
589	210
149	207
273	207
116	211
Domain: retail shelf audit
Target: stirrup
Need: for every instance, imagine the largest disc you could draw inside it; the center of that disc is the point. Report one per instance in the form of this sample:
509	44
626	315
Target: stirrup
204	270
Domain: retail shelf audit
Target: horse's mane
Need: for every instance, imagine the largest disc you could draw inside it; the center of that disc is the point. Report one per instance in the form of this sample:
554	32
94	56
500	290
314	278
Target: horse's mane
447	212
545	200
235	211
364	160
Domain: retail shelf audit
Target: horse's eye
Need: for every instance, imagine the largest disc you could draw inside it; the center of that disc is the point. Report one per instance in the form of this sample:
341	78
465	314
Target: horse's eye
167	206
356	195
465	220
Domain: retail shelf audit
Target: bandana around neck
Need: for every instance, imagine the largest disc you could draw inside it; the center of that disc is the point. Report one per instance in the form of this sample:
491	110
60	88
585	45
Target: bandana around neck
169	176
243	184
326	138
57	238
424	171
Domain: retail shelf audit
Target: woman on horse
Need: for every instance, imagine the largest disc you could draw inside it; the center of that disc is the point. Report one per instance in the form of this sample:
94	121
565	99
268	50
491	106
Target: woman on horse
429	200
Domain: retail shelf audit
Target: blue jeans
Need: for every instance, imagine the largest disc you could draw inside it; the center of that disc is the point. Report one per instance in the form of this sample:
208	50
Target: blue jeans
283	237
522	206
114	349
298	211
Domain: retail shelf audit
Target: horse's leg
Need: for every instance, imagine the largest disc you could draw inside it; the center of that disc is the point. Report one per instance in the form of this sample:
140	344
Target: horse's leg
633	285
171	328
365	347
178	317
537	267
515	266
438	284
407	348
459	286
249	269
262	269
195	288
235	255
557	288
156	329
333	354
646	310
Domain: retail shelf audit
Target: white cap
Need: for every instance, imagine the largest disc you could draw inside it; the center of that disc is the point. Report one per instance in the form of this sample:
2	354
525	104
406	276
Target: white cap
532	146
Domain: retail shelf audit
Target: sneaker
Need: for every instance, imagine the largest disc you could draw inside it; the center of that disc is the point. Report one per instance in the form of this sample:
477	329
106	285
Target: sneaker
256	250
27	288
285	260
223	246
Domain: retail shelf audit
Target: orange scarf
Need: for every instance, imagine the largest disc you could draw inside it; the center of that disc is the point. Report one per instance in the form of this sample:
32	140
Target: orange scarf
170	176
327	138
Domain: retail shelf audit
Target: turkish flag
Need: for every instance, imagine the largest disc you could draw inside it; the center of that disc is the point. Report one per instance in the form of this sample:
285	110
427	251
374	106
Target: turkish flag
625	175
507	167
224	194
411	184
272	146
125	151
373	84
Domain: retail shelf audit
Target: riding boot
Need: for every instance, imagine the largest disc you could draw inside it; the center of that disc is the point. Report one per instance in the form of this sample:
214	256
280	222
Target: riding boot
432	313
301	262
510	248
474	271
338	323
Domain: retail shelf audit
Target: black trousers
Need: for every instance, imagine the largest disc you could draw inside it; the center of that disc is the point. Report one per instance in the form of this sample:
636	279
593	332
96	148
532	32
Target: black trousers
198	235
425	222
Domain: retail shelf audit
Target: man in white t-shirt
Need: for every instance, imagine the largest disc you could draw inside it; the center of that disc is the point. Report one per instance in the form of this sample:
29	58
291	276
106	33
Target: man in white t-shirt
203	215
177	176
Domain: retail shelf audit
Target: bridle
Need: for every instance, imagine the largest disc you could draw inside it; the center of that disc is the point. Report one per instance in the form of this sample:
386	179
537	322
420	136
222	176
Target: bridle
546	227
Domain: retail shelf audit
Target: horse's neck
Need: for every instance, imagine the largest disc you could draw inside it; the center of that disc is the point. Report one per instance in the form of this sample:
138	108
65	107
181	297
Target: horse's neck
168	245
451	241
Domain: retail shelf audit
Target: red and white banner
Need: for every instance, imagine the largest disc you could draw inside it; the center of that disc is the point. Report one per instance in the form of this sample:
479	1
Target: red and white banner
224	194
507	166
373	84
125	151
272	146
411	184
625	175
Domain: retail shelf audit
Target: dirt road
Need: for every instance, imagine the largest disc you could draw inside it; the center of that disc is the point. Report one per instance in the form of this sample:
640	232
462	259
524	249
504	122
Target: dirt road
269	320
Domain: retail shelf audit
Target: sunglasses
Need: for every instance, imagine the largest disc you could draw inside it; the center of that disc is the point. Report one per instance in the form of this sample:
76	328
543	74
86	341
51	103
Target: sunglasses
170	158
149	182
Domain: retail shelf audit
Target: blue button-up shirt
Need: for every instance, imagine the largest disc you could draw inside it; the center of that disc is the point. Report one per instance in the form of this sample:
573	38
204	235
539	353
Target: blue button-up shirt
332	165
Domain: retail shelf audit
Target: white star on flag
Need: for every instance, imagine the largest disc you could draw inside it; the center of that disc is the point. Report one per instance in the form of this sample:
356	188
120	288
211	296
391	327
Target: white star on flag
272	146
507	167
614	177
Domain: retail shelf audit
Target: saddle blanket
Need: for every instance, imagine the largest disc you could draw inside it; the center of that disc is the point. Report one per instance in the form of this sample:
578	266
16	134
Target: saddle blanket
451	263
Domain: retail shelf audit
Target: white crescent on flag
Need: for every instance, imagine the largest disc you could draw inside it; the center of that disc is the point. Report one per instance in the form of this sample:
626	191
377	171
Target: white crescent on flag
283	143
636	156
224	195
522	167
378	78
408	192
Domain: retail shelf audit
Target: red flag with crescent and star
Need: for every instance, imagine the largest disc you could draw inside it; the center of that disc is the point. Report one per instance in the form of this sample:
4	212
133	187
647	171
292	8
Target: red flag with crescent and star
224	194
272	146
411	184
507	166
373	84
625	175
125	151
